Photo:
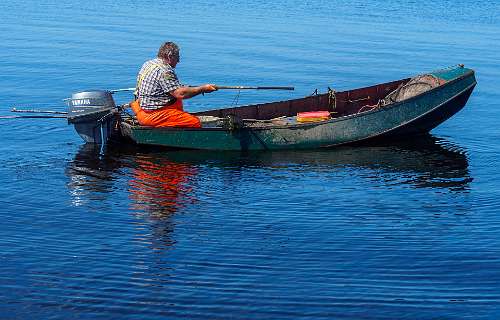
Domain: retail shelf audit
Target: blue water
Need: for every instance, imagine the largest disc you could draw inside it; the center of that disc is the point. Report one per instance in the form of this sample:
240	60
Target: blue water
404	230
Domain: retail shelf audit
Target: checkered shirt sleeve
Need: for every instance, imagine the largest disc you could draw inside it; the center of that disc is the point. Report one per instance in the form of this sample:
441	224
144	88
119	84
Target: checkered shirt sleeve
154	82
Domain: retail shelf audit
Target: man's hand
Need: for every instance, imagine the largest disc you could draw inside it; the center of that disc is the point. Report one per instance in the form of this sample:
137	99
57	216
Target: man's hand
206	88
189	92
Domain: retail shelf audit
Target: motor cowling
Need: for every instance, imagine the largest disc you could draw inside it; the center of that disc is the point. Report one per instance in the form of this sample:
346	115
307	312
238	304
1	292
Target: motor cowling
89	104
91	112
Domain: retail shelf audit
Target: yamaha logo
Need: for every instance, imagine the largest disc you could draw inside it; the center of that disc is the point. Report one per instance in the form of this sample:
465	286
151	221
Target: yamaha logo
79	102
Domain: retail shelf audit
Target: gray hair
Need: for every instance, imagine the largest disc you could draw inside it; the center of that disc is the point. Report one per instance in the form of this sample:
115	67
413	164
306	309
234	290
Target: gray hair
168	50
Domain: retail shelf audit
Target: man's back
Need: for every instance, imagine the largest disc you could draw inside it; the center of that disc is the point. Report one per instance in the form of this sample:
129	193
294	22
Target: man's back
154	82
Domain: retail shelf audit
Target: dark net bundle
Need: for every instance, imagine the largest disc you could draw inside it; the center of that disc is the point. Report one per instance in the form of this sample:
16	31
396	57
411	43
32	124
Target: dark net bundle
412	88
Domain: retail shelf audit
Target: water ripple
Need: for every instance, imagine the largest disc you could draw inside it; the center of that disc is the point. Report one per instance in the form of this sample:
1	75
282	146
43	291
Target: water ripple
384	231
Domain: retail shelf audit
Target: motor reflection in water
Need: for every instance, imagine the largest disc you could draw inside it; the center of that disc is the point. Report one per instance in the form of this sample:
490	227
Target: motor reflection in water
91	176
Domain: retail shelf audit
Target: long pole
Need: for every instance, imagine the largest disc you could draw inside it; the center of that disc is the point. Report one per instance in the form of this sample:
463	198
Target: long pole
33	117
254	88
122	90
37	111
222	88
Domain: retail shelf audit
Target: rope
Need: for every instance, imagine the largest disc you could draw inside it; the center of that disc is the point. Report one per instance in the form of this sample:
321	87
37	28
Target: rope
369	108
123	110
100	123
236	99
101	151
332	99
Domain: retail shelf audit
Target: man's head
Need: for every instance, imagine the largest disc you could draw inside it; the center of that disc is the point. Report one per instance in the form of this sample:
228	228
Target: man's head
169	53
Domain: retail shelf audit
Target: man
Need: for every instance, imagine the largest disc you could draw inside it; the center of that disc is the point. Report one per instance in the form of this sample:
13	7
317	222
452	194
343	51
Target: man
159	94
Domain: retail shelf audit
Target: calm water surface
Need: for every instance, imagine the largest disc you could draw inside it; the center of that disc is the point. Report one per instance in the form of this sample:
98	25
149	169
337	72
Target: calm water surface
405	230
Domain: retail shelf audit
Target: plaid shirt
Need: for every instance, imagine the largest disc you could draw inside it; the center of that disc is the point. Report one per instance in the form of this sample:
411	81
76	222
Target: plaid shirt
154	82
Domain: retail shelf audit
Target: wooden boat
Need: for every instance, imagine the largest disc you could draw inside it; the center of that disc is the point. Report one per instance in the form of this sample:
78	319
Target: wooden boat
357	115
380	111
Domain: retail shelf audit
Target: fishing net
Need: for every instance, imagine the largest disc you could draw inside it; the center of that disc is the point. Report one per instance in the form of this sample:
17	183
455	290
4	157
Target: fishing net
412	88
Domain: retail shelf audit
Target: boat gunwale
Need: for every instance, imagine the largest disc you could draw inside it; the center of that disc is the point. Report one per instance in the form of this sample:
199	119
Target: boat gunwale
333	120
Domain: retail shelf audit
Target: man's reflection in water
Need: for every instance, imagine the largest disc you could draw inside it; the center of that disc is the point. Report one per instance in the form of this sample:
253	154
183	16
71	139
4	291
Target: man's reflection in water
157	186
160	187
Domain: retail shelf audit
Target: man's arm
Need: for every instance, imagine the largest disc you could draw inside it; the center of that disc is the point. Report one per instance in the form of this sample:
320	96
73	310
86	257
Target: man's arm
189	92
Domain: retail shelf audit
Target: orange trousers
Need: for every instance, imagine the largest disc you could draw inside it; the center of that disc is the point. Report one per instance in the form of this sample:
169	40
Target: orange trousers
169	116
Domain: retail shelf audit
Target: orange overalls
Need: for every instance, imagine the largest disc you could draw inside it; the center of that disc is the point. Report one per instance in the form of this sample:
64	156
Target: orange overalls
168	116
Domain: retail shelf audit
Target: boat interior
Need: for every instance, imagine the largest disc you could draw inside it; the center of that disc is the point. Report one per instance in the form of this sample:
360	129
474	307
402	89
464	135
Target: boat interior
338	104
329	105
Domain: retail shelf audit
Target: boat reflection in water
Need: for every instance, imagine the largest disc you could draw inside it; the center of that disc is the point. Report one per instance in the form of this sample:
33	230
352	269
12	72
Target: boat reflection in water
160	182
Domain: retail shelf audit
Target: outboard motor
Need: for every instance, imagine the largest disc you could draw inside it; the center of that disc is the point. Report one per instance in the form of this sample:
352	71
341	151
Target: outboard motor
93	115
